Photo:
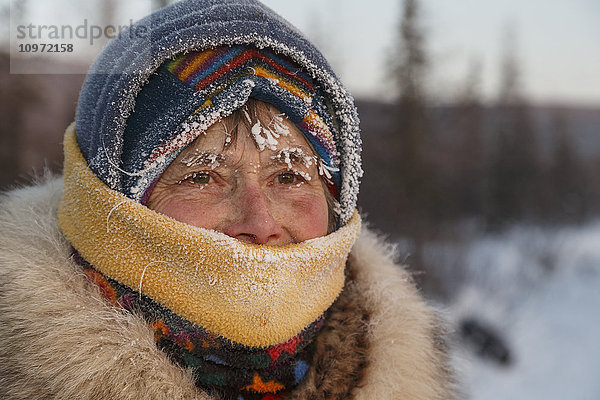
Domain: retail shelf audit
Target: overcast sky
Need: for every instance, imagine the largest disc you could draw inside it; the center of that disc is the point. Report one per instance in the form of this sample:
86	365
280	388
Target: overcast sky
557	41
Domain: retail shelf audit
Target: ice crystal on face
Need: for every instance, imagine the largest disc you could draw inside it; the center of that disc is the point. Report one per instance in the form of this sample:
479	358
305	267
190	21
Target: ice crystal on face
305	175
247	114
203	158
254	167
271	138
325	170
294	155
278	127
256	135
337	208
266	137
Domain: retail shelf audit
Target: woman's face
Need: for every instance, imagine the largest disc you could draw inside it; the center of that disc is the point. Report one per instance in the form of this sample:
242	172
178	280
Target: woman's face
272	196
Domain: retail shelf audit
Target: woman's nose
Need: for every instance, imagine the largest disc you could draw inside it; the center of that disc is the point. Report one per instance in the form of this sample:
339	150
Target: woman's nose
254	222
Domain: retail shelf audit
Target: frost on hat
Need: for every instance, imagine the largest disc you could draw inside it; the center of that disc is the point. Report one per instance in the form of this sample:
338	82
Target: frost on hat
221	80
128	67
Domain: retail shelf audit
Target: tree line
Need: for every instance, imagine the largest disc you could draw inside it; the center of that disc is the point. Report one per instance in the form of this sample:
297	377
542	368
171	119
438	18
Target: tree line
484	162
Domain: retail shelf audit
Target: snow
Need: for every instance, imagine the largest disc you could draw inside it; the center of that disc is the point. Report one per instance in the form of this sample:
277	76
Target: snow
540	291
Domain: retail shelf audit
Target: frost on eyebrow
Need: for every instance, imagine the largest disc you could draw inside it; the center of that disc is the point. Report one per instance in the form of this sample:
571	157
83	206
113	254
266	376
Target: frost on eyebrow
294	155
291	156
203	158
297	156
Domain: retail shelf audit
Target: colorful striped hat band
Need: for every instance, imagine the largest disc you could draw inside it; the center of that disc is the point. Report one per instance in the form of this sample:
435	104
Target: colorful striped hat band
188	94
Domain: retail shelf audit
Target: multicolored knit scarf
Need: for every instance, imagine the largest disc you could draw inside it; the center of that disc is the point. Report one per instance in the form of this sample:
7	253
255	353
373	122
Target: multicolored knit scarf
231	370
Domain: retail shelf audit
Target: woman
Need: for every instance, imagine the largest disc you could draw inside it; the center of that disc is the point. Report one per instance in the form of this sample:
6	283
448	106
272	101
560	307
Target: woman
203	242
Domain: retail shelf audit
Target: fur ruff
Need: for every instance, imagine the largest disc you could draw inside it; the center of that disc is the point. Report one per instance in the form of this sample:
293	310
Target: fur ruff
61	340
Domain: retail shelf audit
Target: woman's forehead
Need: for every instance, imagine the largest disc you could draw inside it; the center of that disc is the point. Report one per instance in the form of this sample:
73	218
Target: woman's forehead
270	137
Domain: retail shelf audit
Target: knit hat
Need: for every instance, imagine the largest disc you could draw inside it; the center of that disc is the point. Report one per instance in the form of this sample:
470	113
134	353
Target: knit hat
192	91
112	132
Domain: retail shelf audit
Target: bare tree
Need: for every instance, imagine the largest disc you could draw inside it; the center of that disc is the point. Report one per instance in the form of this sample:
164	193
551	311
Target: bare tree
515	168
462	170
17	93
412	141
409	61
510	79
566	177
410	179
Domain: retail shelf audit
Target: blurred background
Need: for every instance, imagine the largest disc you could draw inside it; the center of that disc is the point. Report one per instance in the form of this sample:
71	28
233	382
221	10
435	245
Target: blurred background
481	131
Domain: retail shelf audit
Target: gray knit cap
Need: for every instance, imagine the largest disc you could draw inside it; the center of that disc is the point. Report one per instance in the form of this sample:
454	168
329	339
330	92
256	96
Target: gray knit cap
109	94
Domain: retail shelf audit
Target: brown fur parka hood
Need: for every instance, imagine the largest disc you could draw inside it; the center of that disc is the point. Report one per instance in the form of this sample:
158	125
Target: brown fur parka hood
61	340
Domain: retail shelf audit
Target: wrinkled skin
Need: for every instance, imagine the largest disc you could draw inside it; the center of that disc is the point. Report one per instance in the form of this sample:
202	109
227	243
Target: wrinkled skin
248	194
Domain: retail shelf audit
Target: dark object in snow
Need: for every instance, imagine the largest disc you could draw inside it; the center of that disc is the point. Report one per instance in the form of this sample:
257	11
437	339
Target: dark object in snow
485	341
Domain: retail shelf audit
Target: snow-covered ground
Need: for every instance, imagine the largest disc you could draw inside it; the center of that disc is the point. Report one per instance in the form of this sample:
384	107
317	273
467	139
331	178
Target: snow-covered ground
539	291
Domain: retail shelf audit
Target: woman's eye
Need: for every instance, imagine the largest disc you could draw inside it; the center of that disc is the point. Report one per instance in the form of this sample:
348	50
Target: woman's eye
199	178
286	178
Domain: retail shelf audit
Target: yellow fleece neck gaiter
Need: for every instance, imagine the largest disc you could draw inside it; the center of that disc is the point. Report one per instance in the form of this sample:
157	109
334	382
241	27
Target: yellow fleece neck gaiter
255	295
